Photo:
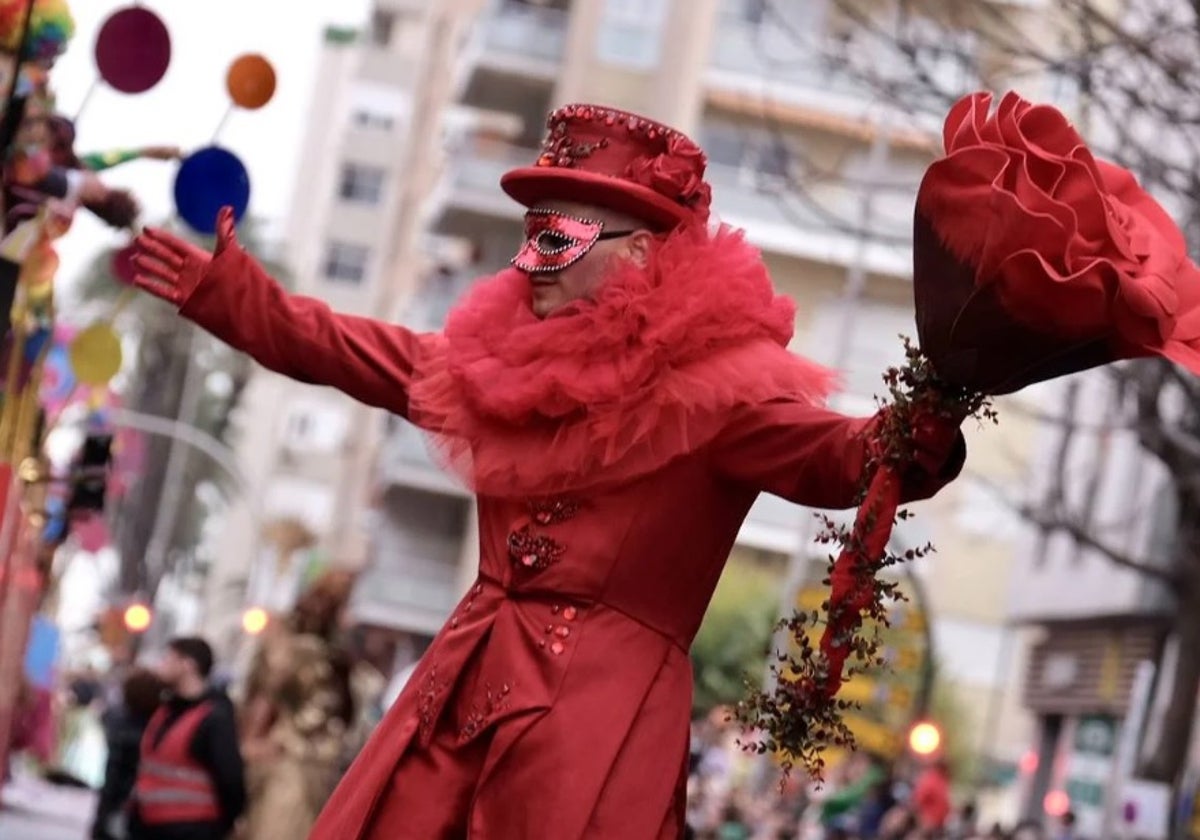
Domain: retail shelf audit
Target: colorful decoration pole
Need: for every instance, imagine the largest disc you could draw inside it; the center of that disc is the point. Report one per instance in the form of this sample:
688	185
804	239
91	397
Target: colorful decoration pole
24	569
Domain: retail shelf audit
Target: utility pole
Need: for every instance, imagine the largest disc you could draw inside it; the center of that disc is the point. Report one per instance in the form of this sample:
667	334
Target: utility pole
416	177
156	563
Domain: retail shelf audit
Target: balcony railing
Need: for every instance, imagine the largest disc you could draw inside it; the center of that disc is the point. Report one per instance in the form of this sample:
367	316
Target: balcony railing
476	176
825	207
829	206
765	58
483	164
438	294
388	67
520	29
389	595
775	55
405	461
777	215
416	547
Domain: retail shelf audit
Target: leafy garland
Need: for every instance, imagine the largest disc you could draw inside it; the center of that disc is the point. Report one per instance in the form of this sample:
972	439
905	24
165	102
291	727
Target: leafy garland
801	716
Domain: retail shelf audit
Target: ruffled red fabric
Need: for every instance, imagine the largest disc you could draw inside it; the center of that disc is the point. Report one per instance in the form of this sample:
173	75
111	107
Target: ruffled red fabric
1072	245
607	390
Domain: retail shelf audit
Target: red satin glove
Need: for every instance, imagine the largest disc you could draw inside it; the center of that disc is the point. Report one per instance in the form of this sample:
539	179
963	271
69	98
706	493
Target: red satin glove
171	268
935	440
926	447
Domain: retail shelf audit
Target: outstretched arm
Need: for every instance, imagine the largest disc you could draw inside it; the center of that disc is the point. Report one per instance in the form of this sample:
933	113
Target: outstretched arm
231	296
816	457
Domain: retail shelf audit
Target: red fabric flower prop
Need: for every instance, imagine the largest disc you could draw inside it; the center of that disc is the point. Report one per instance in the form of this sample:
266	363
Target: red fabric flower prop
1034	259
678	173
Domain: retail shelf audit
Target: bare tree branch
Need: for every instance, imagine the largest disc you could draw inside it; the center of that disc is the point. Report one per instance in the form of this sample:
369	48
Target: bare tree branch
1062	420
1189	384
1083	537
1039	516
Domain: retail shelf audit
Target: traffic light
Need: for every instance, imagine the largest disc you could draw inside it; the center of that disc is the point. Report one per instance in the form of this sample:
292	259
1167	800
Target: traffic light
925	739
89	479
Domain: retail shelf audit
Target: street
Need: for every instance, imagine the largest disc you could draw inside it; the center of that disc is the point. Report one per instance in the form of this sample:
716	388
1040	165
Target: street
34	810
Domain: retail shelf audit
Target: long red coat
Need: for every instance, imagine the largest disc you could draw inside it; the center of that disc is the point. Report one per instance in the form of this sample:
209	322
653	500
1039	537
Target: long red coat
569	655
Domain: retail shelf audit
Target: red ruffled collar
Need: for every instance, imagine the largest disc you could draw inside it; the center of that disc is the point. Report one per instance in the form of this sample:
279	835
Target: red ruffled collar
609	390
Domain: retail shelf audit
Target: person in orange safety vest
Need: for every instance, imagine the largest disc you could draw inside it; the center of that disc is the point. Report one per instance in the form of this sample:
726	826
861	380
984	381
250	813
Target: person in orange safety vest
190	781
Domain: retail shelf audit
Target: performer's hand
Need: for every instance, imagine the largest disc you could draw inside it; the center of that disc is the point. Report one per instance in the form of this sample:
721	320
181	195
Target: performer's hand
935	439
171	268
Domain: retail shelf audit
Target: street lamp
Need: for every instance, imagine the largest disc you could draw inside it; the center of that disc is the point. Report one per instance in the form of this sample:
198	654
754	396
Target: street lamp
138	618
925	739
255	620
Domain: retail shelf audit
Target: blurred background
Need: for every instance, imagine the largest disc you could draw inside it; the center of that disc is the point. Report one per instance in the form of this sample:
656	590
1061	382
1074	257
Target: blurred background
1043	672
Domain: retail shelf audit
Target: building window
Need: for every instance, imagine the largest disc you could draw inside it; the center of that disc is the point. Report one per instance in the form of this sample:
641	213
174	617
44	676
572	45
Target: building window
299	427
346	262
437	295
861	357
373	120
362	184
383	26
756	158
772	159
631	32
751	11
311	426
377	107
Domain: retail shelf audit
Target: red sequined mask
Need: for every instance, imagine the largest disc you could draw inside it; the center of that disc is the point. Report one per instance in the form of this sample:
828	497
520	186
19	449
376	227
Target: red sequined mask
554	241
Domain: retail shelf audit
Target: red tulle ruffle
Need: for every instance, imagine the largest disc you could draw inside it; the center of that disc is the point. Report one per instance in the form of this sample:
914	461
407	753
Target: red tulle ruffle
611	389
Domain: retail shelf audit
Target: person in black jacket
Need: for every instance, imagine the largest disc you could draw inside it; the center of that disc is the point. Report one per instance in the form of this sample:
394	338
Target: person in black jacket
190	781
124	725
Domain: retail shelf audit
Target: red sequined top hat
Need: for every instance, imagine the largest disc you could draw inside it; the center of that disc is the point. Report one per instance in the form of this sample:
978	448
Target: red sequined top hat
615	159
